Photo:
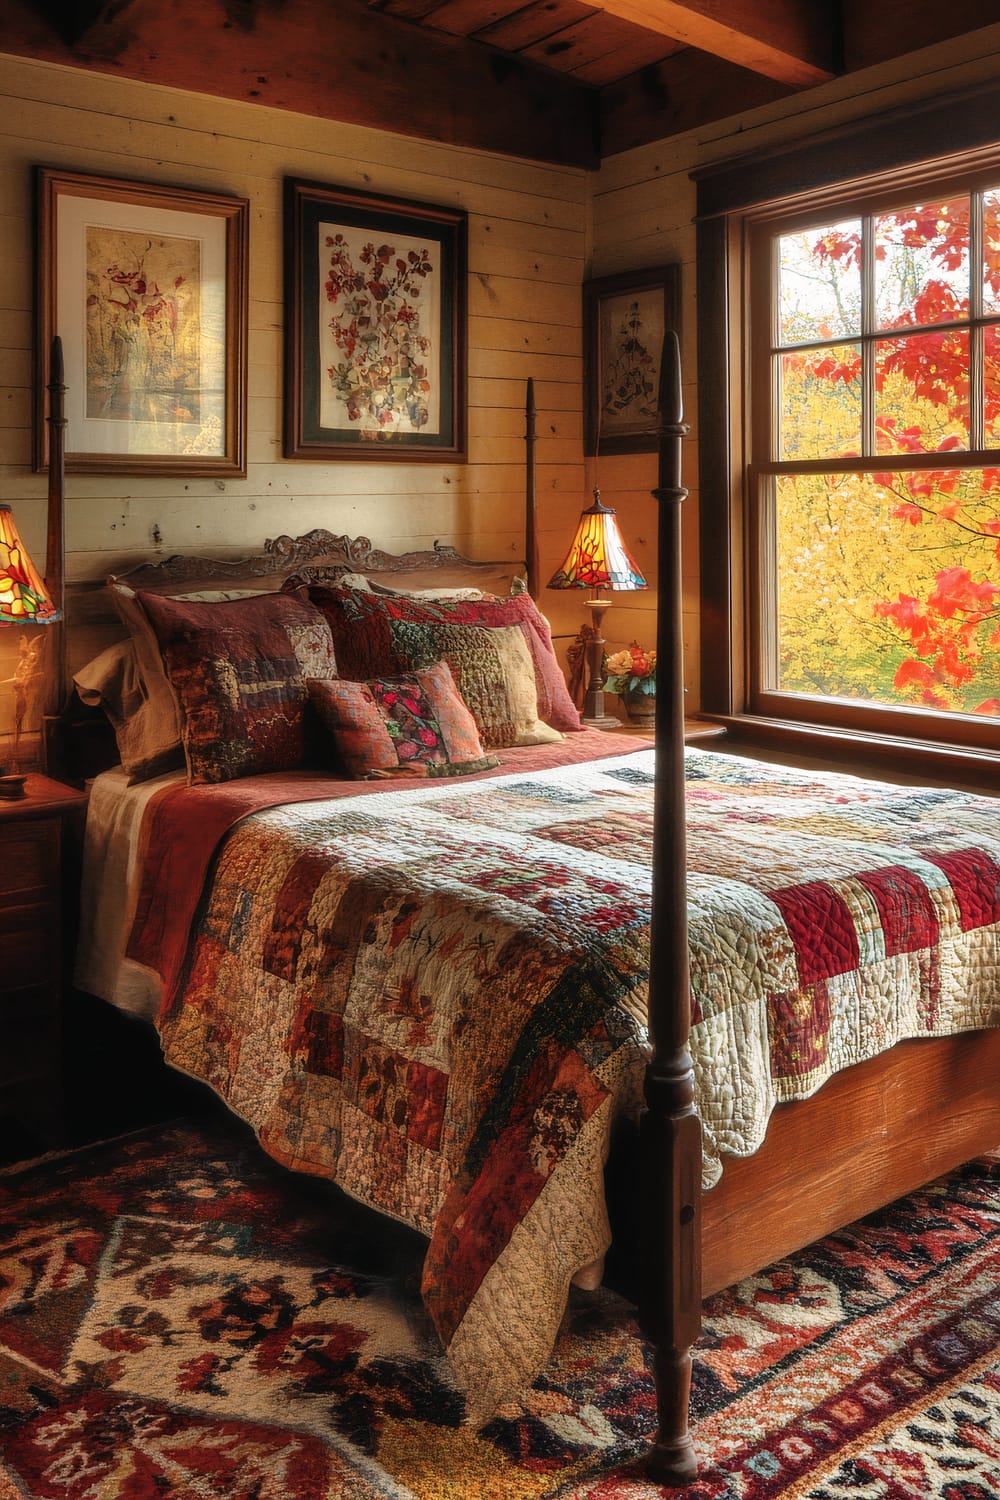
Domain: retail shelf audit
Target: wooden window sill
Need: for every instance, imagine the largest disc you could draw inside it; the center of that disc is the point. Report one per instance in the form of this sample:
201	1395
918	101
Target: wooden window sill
888	756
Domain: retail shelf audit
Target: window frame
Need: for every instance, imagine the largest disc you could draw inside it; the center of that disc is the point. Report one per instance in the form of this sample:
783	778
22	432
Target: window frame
846	172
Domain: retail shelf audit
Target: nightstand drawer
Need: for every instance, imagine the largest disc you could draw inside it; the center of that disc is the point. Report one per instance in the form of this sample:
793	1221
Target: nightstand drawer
32	948
30	861
29	946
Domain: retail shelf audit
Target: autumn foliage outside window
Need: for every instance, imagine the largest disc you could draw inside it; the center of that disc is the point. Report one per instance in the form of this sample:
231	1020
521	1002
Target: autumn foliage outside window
878	463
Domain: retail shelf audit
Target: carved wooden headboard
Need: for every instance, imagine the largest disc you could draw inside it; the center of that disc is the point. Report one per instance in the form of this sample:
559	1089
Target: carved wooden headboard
319	556
79	742
324	558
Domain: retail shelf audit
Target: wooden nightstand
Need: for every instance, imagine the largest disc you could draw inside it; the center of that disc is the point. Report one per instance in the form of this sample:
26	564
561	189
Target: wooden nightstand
33	841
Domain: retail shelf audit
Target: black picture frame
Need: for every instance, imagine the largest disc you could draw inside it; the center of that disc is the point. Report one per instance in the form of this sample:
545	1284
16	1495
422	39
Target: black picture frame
375	327
624	320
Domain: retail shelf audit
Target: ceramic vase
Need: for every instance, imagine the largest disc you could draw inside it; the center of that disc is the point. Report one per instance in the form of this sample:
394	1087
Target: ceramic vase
640	707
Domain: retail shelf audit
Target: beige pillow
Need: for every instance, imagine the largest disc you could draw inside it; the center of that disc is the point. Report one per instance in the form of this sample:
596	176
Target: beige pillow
367	586
521	693
148	742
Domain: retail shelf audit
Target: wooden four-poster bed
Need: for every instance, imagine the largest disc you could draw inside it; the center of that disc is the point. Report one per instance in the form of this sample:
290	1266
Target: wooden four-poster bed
872	1132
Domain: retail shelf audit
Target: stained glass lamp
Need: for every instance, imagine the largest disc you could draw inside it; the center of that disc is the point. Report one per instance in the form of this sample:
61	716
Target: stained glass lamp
597	559
23	596
24	600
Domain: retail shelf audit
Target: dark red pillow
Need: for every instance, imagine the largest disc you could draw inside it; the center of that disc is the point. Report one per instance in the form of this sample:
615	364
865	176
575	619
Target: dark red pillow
240	670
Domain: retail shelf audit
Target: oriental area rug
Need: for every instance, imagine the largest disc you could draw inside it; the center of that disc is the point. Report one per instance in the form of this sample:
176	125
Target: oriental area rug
180	1318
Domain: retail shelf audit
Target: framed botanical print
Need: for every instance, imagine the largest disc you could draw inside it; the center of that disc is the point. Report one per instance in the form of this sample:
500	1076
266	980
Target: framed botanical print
147	288
375	326
624	321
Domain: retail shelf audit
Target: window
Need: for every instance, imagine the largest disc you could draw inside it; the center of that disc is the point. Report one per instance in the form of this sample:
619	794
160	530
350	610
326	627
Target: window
874	475
849	435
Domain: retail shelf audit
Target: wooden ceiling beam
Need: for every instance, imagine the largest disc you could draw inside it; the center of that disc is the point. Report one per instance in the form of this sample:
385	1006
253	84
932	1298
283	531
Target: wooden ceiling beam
794	42
72	18
342	61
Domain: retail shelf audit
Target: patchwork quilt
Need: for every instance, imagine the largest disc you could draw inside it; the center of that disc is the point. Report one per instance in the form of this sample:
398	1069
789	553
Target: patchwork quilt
435	995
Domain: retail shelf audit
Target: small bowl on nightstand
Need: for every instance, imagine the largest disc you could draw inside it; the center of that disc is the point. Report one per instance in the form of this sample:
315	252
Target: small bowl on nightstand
12	785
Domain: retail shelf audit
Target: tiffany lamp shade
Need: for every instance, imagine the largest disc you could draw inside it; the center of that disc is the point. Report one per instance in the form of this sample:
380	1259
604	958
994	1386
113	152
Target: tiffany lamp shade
597	559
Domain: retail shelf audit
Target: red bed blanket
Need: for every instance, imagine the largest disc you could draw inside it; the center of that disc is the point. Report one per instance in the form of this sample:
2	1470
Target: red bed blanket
436	996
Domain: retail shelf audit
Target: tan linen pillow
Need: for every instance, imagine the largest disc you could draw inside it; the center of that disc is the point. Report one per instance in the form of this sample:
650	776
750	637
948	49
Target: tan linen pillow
516	704
148	742
158	734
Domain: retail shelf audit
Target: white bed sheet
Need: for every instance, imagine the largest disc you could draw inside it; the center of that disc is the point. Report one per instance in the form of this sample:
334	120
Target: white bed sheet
110	857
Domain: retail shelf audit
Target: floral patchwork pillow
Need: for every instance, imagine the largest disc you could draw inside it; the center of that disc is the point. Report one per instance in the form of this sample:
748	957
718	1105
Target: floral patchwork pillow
494	676
148	728
415	724
240	672
375	635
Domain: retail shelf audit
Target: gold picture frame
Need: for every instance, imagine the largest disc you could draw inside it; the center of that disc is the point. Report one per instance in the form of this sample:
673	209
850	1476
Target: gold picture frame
146	286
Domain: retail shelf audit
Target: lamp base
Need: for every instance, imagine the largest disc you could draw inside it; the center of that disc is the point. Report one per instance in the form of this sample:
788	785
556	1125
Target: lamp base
600	723
12	786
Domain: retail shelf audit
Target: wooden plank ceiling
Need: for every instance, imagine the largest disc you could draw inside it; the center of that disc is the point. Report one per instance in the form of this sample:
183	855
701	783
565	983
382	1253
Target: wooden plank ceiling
567	81
792	41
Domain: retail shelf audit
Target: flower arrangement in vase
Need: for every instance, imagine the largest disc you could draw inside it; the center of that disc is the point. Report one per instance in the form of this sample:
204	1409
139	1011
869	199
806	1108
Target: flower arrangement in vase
632	675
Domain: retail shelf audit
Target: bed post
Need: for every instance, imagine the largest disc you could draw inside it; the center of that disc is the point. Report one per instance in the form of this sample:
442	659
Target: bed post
530	533
670	1303
55	558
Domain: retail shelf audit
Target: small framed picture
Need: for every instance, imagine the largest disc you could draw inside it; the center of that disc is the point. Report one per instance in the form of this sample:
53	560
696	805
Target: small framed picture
147	288
375	327
624	320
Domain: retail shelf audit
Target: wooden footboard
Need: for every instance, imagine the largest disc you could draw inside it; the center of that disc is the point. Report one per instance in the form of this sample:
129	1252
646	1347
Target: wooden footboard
869	1135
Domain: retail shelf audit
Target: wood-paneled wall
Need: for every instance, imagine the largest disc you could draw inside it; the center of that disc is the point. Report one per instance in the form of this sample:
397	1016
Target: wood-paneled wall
527	243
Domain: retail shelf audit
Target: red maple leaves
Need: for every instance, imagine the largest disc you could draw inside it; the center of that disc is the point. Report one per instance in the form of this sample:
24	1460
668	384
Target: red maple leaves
947	631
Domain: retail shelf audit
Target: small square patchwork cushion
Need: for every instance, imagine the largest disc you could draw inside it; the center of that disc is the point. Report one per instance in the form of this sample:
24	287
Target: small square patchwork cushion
375	635
413	724
240	671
